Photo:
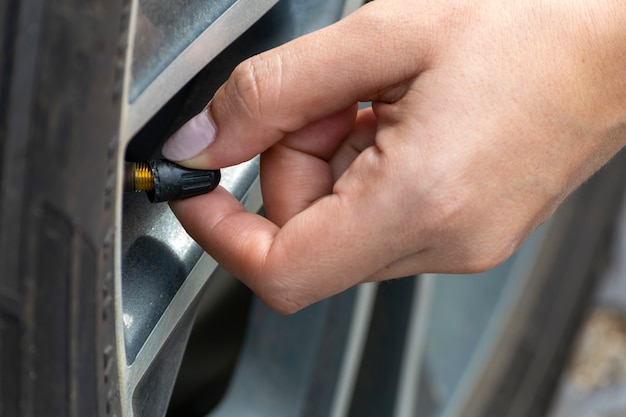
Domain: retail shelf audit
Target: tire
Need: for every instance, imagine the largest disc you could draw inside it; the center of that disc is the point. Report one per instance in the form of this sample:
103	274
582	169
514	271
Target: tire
60	93
61	75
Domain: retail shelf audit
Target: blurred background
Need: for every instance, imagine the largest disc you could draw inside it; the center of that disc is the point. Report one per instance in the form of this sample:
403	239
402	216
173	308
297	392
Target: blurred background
594	383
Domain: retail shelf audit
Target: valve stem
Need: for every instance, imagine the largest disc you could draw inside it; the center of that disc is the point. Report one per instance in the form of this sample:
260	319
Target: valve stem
138	177
163	180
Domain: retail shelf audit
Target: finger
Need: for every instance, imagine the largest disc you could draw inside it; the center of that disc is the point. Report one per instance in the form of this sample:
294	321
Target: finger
295	172
292	180
310	78
363	135
219	213
321	138
312	257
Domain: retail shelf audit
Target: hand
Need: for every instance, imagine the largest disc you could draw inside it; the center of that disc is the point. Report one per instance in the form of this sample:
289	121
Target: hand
485	116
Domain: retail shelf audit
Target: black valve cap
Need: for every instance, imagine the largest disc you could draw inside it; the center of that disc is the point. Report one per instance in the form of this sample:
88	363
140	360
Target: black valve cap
173	182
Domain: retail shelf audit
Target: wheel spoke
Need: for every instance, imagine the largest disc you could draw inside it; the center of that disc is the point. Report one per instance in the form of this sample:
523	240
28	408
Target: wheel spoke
415	347
304	364
148	330
363	310
221	32
161	272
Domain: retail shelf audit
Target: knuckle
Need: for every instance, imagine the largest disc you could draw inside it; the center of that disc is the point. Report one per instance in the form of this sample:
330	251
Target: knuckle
444	212
484	262
282	307
254	83
283	301
245	88
479	240
281	295
486	257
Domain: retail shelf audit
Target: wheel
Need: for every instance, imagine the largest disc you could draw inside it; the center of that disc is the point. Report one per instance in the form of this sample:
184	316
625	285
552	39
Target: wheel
107	308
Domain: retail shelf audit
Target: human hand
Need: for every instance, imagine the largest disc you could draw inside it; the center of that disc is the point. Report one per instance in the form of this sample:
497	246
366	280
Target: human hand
485	116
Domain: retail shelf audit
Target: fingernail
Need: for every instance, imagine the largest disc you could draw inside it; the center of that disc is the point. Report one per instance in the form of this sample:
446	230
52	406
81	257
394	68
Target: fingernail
191	139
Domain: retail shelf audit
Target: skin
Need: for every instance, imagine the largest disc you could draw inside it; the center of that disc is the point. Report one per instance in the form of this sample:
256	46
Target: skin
485	116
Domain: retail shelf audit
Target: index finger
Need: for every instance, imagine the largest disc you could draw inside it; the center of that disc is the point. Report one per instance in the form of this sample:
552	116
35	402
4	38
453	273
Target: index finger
312	77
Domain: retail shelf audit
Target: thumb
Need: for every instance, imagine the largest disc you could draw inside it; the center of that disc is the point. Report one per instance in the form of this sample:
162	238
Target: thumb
310	78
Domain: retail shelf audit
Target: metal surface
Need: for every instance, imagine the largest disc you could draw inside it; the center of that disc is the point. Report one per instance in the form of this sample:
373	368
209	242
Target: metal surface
159	256
164	273
161	271
224	29
291	366
164	30
362	317
415	349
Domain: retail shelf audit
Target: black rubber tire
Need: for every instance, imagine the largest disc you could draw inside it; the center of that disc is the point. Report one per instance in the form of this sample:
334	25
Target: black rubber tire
61	68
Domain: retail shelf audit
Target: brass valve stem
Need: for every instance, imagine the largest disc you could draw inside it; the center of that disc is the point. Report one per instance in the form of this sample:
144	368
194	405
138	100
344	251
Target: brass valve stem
138	177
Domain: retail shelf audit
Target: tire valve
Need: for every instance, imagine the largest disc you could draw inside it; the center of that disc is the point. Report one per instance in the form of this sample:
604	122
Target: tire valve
163	180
